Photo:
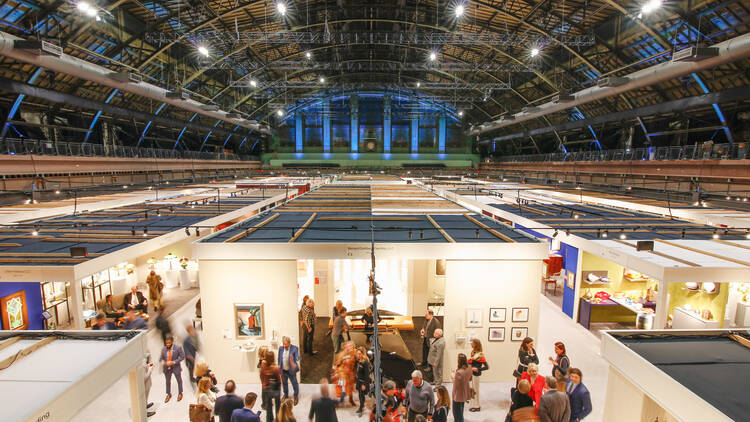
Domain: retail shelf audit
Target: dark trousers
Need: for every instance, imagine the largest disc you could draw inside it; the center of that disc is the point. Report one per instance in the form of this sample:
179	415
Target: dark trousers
270	398
178	376
362	394
190	364
458	411
289	376
307	345
425	350
413	415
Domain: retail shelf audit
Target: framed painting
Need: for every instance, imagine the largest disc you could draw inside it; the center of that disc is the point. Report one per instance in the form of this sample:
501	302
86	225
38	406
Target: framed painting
496	334
14	312
570	280
249	320
520	315
518	333
473	317
497	314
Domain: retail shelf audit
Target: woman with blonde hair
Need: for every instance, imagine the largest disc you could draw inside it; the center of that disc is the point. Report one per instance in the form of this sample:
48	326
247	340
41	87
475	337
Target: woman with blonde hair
204	395
202	370
343	372
536	382
285	411
478	364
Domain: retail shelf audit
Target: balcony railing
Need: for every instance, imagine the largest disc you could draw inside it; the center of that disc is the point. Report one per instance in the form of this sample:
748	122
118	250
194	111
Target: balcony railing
704	151
14	146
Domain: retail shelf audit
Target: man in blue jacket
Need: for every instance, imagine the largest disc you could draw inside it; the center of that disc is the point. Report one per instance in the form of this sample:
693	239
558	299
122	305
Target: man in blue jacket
289	364
580	399
172	356
246	413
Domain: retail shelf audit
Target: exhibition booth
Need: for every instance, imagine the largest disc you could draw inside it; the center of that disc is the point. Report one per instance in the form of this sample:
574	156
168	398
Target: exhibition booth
320	245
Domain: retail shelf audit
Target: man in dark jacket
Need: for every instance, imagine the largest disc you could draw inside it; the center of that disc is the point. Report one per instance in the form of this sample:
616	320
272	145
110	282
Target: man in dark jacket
323	409
135	301
580	399
171	358
191	347
162	324
554	405
227	403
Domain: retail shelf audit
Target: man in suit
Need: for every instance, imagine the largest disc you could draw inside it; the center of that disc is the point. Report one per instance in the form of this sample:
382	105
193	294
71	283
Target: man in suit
246	414
428	333
227	403
172	355
435	357
323	409
580	399
554	405
289	364
134	301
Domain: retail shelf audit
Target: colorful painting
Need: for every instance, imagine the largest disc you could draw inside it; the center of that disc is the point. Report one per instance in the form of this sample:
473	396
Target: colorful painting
518	333
520	314
249	320
14	312
497	314
496	334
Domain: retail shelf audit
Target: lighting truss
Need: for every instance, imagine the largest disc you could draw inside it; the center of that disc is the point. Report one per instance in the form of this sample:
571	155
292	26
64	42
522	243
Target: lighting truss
335	37
451	99
375	66
486	87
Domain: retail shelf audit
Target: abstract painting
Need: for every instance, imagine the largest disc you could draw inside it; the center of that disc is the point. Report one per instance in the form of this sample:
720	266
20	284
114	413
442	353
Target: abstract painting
249	320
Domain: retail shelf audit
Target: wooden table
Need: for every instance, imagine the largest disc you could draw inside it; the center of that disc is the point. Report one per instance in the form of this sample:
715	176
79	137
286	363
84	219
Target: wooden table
399	322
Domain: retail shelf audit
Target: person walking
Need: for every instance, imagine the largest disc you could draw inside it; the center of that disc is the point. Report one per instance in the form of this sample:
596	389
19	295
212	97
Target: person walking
363	371
133	322
204	396
428	333
554	405
171	356
561	362
419	397
289	364
442	406
344	364
323	409
228	403
102	323
162	324
308	327
246	414
285	411
339	327
270	379
478	364
435	357
155	289
580	398
462	379
191	346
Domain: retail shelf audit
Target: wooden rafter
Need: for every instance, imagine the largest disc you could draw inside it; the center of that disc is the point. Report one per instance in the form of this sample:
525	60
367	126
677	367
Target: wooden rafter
440	229
726	258
299	232
661	254
248	231
491	230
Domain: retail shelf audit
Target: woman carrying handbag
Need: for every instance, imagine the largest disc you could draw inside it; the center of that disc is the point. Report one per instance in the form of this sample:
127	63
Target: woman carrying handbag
202	411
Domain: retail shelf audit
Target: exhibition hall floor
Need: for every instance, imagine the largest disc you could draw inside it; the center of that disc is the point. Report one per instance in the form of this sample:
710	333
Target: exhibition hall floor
583	349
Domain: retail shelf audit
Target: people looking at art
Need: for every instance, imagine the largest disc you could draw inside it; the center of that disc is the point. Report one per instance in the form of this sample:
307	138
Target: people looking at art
478	364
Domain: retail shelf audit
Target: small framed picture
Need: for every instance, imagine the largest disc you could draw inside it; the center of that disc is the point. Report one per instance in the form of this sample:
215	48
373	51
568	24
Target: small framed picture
520	315
496	334
473	317
519	333
497	314
570	280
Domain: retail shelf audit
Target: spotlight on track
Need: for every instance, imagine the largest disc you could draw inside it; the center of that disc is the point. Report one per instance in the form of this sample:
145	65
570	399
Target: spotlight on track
622	234
460	113
715	235
419	84
605	233
35	232
145	231
649	7
322	80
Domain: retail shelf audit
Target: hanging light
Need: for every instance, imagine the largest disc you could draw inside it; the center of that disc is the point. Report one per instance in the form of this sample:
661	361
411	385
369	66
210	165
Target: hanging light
280	113
460	113
622	234
322	80
534	52
605	233
433	56
203	51
459	10
281	8
308	55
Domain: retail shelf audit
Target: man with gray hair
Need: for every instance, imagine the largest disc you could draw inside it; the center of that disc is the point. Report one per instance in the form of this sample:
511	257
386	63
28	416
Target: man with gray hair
288	357
435	357
554	405
419	398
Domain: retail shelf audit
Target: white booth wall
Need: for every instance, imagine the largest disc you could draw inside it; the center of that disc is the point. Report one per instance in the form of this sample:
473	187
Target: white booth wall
480	285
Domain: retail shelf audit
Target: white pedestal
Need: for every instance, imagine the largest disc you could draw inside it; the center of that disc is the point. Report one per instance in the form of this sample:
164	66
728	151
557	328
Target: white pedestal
742	316
688	320
120	285
171	279
184	279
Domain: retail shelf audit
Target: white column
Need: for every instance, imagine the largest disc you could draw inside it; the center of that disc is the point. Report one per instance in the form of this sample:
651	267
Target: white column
662	306
76	305
137	394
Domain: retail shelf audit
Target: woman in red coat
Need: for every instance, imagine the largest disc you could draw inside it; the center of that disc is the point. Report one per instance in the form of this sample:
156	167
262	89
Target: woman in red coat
537	383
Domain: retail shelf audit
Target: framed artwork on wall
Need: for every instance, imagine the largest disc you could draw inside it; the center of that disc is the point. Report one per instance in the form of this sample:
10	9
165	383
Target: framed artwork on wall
570	280
519	333
497	314
496	334
249	320
520	314
14	312
473	317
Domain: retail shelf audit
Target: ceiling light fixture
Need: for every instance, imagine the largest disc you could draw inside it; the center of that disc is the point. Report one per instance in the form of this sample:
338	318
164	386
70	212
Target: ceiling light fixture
419	84
460	113
281	8
622	234
322	80
253	83
649	7
280	112
203	50
459	10
308	55
605	233
433	56
715	235
534	52
83	6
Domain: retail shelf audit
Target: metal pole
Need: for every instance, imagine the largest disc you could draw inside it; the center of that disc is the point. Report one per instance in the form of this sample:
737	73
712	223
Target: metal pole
374	290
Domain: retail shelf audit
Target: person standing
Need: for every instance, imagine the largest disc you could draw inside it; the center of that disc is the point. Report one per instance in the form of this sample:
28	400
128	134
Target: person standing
289	364
228	403
554	405
246	414
155	288
323	409
148	369
461	387
362	370
580	398
443	405
478	365
285	411
526	355
172	355
204	396
435	357
428	333
420	399
308	327
561	362
337	308
191	346
270	379
301	309
339	327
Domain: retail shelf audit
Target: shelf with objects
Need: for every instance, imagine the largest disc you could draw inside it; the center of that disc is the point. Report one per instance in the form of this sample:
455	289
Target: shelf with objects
55	294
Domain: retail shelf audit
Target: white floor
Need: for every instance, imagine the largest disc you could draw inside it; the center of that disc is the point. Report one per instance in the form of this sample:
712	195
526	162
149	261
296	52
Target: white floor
582	346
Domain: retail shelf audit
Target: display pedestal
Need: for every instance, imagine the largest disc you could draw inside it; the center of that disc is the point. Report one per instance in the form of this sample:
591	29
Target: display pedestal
184	279
171	279
684	319
742	316
193	276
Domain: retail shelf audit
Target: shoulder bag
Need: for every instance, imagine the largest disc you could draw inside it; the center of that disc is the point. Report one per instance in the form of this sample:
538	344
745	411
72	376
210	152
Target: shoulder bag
199	413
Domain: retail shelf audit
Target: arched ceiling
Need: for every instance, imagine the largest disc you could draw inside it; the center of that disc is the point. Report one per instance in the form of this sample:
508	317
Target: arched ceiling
579	41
